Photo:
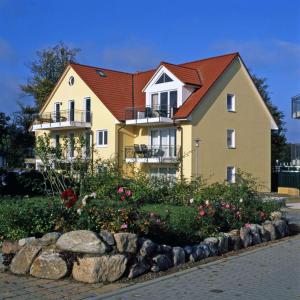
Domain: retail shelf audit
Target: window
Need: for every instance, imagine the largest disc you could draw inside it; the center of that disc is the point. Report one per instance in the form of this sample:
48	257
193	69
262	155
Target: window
71	145
71	80
169	173
173	99
164	78
230	102
102	138
163	102
72	110
164	141
87	107
230	138
231	174
101	73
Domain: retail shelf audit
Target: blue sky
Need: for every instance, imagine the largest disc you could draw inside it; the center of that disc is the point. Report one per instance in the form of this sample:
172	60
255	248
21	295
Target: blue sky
135	35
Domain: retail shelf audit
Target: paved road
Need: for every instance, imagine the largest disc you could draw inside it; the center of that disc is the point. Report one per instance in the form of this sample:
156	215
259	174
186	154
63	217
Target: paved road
271	272
268	273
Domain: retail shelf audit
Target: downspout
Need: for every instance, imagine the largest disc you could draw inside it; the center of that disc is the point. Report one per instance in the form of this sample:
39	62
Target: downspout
119	152
179	127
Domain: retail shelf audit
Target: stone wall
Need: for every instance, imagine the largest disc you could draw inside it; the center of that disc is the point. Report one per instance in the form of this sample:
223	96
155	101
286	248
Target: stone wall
106	257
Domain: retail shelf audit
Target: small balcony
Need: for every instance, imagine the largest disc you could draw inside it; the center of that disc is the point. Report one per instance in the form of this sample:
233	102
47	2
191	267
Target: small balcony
149	115
296	107
152	154
64	119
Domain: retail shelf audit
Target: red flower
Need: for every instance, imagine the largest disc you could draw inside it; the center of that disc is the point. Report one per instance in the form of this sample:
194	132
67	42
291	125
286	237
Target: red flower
120	190
69	197
202	213
123	197
128	193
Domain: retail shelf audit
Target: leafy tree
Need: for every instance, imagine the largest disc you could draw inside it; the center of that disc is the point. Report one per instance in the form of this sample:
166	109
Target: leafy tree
46	71
280	147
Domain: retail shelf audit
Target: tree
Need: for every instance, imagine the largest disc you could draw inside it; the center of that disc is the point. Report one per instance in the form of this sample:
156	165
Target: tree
280	148
46	71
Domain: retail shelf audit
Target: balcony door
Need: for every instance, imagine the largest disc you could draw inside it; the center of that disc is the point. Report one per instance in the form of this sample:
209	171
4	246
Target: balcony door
87	110
57	111
163	141
71	110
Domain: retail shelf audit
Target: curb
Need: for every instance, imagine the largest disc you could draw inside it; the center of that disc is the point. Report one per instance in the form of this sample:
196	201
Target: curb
134	286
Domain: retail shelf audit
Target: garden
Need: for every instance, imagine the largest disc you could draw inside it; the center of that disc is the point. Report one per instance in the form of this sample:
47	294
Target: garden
95	200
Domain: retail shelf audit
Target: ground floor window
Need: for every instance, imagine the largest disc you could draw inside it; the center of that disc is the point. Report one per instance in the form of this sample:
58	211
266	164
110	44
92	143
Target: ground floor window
166	172
101	138
231	174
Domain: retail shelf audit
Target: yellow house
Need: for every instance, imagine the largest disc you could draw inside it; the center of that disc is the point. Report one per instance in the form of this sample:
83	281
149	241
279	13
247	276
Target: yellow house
206	114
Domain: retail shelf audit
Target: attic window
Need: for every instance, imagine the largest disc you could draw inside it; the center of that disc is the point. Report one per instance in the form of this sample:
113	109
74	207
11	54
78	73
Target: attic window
164	78
101	73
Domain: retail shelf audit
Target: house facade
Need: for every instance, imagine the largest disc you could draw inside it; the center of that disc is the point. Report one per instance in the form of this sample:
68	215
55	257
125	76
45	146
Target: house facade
201	118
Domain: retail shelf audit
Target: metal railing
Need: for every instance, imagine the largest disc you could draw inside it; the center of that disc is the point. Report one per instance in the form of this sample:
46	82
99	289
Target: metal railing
161	153
145	112
71	115
296	107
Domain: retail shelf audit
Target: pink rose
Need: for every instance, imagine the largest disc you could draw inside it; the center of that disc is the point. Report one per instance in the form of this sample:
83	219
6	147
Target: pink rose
120	190
227	205
128	193
202	213
123	197
124	226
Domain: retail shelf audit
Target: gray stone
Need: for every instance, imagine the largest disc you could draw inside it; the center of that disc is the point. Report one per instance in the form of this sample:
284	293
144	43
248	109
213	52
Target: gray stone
223	243
82	241
213	245
28	240
235	242
294	227
246	237
264	234
49	265
155	268
276	215
139	268
269	228
162	261
164	249
10	247
21	263
205	249
3	268
188	250
198	253
255	232
87	269
148	248
281	228
112	267
178	256
50	238
107	237
126	242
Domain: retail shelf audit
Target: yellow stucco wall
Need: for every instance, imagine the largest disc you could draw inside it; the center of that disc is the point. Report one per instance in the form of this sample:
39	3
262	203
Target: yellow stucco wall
250	121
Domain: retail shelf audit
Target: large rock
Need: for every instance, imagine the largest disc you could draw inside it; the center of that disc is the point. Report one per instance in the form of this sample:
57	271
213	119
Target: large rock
112	267
164	249
148	248
126	242
9	247
246	237
86	269
213	244
107	237
50	238
294	227
264	234
28	240
3	267
178	256
49	265
206	249
82	241
139	268
235	242
255	232
223	243
161	262
281	228
276	215
21	263
269	227
198	253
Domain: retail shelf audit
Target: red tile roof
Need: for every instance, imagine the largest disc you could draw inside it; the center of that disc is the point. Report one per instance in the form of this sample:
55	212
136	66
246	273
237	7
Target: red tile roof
120	90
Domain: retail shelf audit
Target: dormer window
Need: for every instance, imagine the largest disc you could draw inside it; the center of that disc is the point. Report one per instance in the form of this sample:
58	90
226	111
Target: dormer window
163	79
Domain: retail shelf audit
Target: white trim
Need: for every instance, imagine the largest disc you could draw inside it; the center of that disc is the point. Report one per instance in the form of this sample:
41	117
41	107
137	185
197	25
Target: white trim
232	138
232	97
233	174
97	138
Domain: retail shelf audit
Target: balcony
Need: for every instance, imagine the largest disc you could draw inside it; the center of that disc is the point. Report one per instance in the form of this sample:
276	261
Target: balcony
296	107
152	154
64	119
149	115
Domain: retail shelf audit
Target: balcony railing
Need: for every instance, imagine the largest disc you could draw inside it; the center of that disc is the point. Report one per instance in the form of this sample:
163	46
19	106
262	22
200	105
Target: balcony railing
147	112
63	118
144	153
296	107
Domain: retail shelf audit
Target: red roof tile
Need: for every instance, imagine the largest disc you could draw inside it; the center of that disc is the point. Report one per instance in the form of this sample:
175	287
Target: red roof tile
120	90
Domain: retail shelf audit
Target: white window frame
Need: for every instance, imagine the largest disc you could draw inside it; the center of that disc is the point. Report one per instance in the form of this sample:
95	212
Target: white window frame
232	179
97	138
232	108
159	173
159	95
232	138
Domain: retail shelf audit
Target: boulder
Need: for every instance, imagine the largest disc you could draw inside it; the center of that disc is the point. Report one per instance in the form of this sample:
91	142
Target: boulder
9	247
21	263
164	249
148	248
294	227
139	268
112	267
49	265
86	269
3	267
281	228
206	249
50	238
162	261
276	215
213	245
82	241
107	237
256	238
178	256
126	242
246	237
235	242
264	234
28	240
198	253
270	229
188	250
223	243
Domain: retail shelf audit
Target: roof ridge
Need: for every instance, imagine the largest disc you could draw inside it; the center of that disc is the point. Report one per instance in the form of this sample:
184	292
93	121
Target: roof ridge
212	57
97	67
179	65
